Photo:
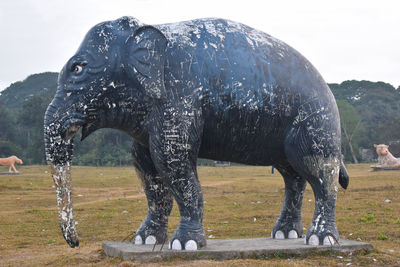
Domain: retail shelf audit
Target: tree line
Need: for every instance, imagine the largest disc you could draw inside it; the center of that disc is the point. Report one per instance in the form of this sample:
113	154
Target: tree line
22	108
369	112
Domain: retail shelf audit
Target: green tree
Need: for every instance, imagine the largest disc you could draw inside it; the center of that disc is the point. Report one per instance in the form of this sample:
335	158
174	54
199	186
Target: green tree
30	121
376	103
8	148
8	133
42	84
350	123
7	123
108	147
389	131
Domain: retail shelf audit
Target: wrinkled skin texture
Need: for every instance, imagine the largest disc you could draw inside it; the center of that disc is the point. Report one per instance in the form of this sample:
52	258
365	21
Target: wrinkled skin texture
385	158
206	88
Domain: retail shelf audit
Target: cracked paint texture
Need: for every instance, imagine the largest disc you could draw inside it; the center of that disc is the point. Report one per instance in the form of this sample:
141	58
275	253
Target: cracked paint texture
208	88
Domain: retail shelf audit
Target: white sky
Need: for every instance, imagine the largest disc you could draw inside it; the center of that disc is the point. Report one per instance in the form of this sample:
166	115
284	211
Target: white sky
343	39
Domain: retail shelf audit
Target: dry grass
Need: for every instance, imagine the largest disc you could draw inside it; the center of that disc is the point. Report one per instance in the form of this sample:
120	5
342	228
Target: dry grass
109	204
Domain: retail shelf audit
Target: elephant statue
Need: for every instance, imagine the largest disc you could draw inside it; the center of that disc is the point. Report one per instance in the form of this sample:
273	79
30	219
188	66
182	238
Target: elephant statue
208	88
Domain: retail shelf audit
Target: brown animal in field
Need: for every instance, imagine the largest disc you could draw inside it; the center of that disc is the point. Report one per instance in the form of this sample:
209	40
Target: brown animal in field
10	161
385	158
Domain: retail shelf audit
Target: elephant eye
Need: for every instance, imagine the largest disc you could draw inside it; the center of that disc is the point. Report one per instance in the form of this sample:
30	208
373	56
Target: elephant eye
77	68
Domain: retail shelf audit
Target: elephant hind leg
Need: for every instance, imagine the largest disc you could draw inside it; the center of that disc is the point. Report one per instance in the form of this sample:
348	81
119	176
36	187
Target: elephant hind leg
316	157
289	224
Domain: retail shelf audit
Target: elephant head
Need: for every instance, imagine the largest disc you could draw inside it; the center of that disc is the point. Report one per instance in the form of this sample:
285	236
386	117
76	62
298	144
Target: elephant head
111	82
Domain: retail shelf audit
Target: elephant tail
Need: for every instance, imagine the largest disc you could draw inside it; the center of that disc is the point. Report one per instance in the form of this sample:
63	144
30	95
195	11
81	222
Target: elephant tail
343	176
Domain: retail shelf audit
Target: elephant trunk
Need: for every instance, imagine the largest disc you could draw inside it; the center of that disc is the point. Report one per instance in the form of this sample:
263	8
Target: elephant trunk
59	155
62	179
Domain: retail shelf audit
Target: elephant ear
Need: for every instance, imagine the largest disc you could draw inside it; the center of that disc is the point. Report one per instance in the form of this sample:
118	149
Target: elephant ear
145	59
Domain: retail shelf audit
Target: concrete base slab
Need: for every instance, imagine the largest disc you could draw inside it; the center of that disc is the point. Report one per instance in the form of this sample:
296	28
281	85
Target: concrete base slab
224	249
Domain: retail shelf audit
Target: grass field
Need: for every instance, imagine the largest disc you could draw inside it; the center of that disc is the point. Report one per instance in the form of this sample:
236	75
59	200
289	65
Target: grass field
241	202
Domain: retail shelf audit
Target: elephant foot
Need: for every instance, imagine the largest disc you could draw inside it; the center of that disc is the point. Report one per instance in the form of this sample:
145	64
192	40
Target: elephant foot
322	232
287	229
149	240
188	237
150	233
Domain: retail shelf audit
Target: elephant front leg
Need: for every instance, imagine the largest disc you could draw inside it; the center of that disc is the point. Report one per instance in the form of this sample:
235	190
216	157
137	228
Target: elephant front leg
289	224
154	229
181	175
174	145
186	188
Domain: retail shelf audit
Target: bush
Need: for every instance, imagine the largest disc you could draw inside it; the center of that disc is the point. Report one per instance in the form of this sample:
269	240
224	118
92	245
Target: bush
8	149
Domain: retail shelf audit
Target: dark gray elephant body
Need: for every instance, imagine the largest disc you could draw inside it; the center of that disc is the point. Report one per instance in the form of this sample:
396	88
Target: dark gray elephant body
206	88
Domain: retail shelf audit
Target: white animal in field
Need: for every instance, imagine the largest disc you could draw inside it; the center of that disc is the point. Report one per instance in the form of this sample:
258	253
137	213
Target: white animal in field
385	158
10	161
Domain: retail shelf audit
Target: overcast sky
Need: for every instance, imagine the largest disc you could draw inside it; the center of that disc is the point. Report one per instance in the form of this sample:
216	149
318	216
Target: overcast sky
343	39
